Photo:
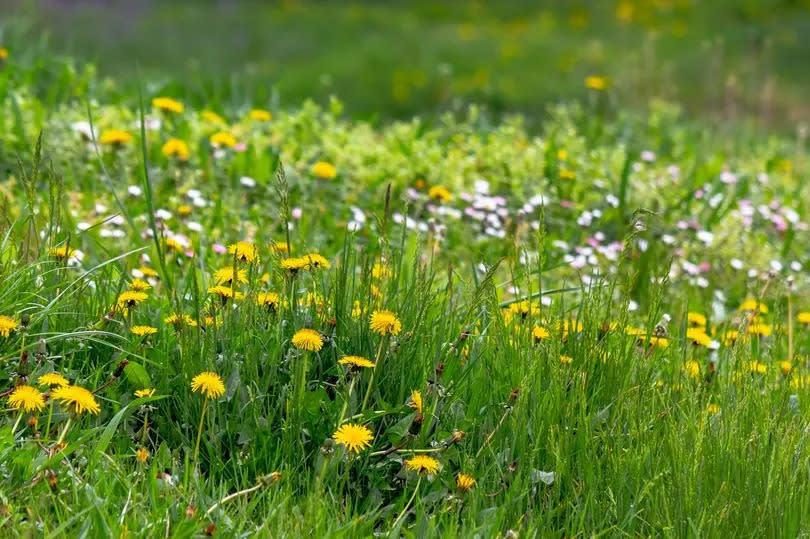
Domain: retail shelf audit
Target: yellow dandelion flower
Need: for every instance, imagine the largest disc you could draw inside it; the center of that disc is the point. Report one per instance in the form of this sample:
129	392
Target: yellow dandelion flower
566	360
423	464
142	455
226	293
786	367
357	310
260	115
223	139
385	323
174	245
280	247
753	305
294	265
696	319
27	398
464	482
208	383
380	271
307	339
324	170
698	336
268	299
225	276
212	117
440	193
146	392
176	148
7	325
763	330
244	251
77	397
713	408
415	400
180	320
594	82
139	285
115	137
52	379
803	317
314	260
184	210
692	368
3	53
356	362
755	367
130	298
143	331
148	272
210	321
167	104
355	437
63	253
540	333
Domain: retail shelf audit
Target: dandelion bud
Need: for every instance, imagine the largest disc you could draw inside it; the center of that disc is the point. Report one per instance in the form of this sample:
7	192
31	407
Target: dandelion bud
458	435
119	369
53	480
270	479
514	394
42	350
439	369
25	319
33	422
416	426
210	530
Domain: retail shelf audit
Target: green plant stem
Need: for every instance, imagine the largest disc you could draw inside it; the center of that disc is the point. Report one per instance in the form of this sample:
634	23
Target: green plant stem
64	431
405	509
199	433
373	373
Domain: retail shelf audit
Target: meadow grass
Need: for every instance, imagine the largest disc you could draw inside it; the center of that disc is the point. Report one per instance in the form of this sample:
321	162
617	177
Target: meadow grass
600	329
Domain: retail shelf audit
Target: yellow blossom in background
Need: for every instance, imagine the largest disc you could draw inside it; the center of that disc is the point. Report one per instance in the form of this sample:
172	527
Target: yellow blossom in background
142	455
803	317
786	367
174	245
63	253
356	362
168	104
27	398
713	408
268	299
385	323
763	330
355	437
752	305
146	271
698	336
184	210
423	464
324	170
223	139
174	147
314	260
225	292
115	137
692	368
3	53
7	325
440	193
594	82
696	319
280	247
244	251
212	117
143	331
415	400
225	276
260	115
147	392
380	271
294	265
139	285
566	360
180	320
130	298
307	339
208	383
540	333
464	482
76	397
52	379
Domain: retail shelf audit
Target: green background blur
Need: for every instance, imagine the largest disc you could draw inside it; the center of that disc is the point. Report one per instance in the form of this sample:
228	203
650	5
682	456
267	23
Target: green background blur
722	60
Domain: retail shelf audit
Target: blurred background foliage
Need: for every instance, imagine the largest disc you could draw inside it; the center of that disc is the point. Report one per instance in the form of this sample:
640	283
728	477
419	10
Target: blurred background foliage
722	60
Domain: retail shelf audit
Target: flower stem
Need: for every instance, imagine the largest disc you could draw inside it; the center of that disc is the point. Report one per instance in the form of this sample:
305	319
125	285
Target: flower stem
373	372
405	509
64	431
16	423
199	433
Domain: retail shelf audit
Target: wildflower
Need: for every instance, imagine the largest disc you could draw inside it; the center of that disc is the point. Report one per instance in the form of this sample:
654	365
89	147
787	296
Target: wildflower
184	210
786	367
355	437
268	299
356	362
167	104
79	398
244	251
223	139
415	400
141	455
385	323
698	336
226	293
803	317
146	392
148	272
115	137
696	319
692	368
63	253
27	398
180	320
3	53
209	384
440	193
314	260
139	285
566	360
464	482
280	247
173	245
594	82
210	321
713	408
130	298
7	325
357	309
212	117
423	464
380	271
307	339
143	331
752	305
294	265
324	170
755	367
763	330
225	276
260	115
177	148
540	333
52	379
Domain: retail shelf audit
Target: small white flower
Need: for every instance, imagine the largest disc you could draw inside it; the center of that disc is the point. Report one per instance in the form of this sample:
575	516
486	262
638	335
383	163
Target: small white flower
247	181
134	190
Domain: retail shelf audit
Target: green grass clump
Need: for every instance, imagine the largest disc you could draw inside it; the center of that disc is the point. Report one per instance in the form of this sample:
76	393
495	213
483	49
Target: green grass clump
287	322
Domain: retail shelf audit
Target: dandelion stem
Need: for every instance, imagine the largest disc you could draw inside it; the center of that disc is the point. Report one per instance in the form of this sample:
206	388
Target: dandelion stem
373	372
405	509
16	423
64	431
230	497
199	432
